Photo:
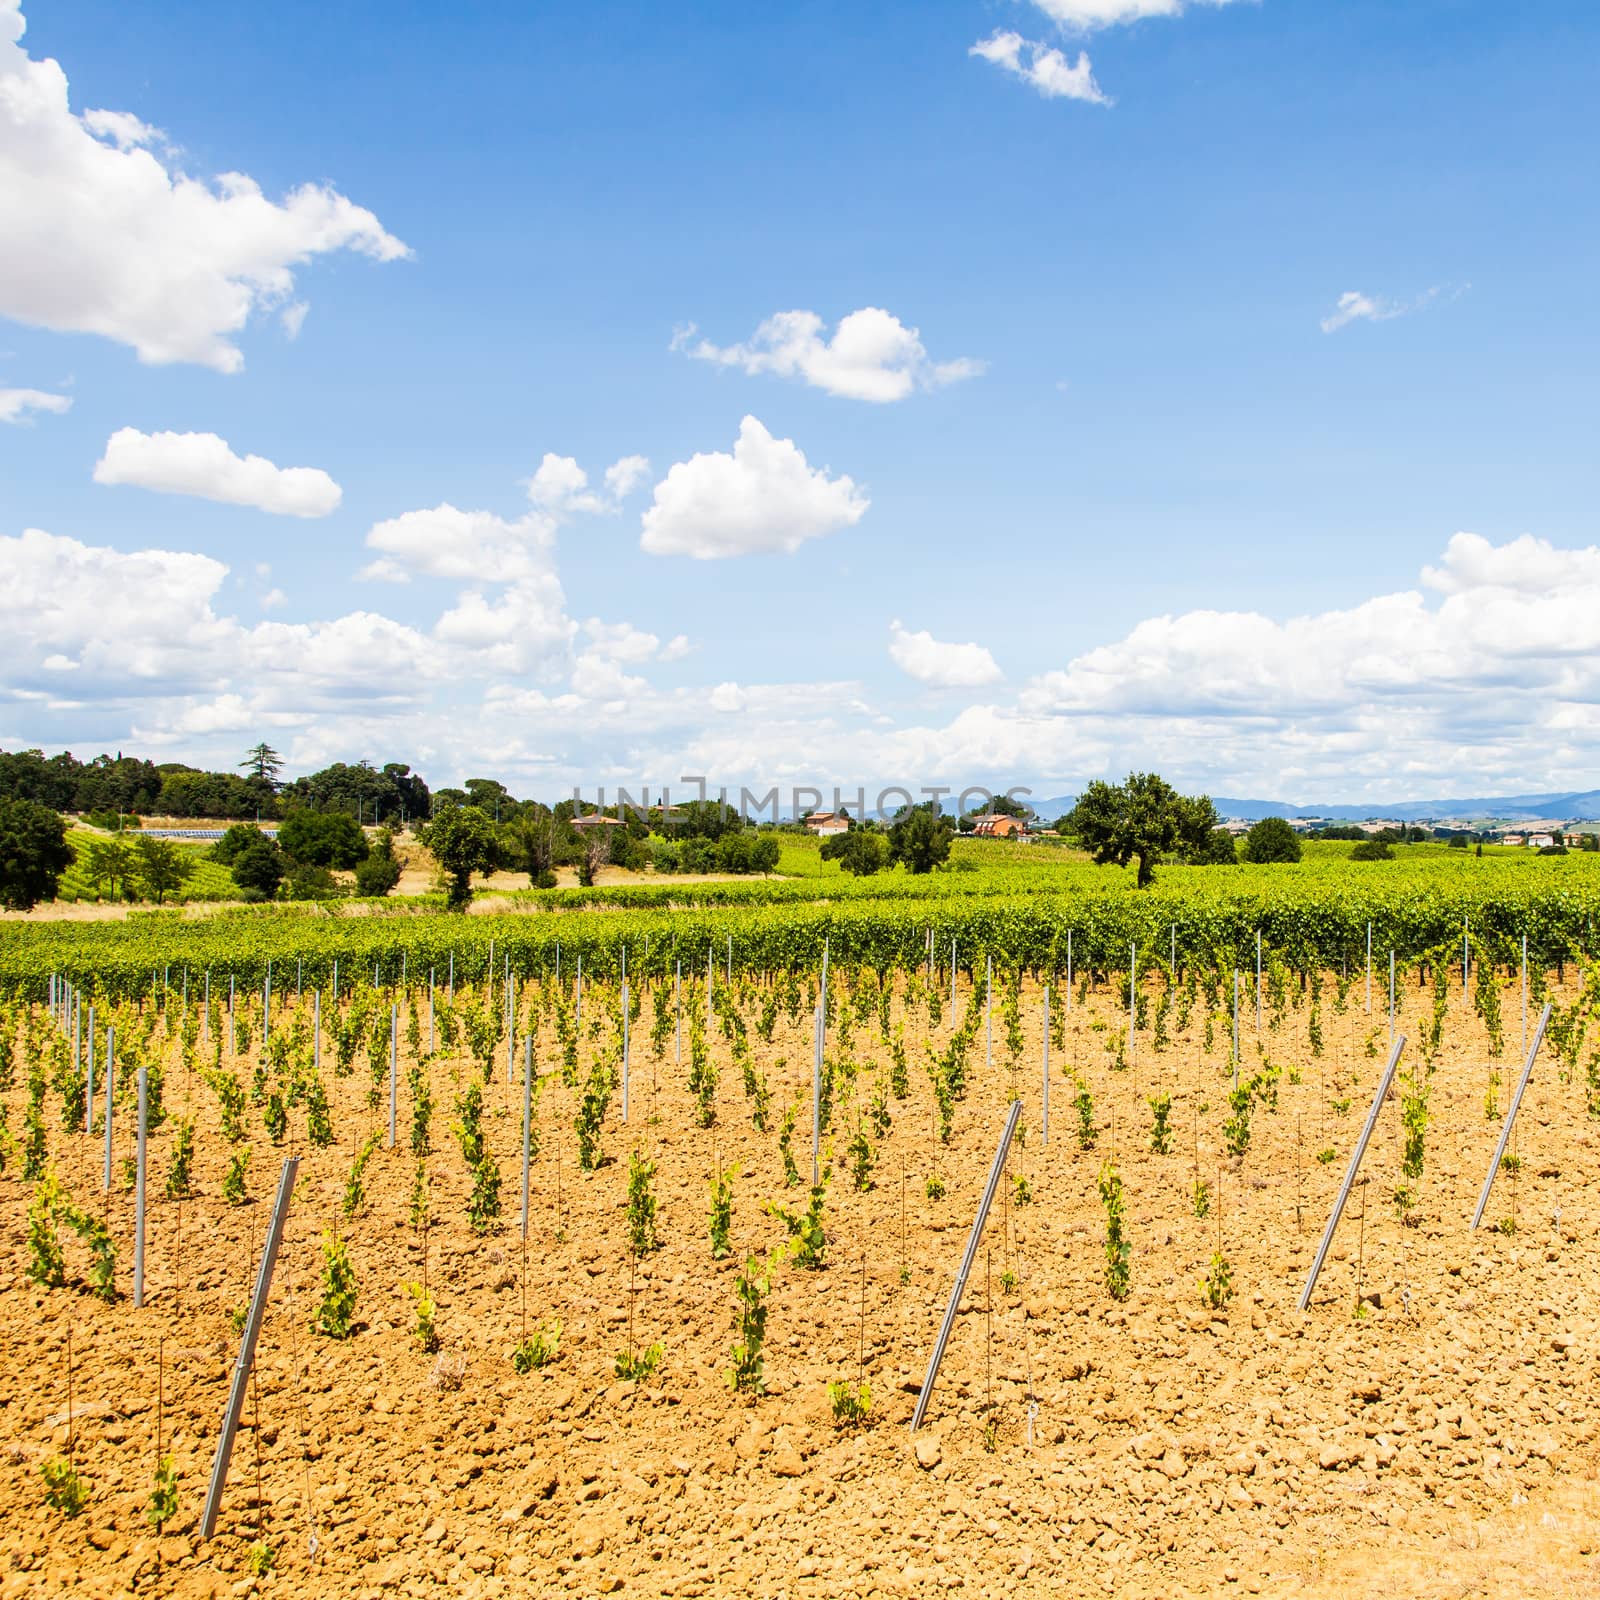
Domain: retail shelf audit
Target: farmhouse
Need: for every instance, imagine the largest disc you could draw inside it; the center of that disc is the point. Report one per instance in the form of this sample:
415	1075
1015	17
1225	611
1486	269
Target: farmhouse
996	825
593	821
824	823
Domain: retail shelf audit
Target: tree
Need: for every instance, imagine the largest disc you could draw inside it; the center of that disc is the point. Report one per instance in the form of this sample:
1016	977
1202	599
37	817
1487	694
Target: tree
1376	849
109	867
1141	820
33	854
380	872
263	763
532	844
1218	850
747	852
163	867
237	839
462	841
861	851
1271	840
187	793
919	838
1002	805
1458	841
258	867
490	796
323	838
595	853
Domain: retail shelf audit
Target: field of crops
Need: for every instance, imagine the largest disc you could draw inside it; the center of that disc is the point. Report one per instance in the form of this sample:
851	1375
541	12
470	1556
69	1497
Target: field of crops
1016	912
687	1368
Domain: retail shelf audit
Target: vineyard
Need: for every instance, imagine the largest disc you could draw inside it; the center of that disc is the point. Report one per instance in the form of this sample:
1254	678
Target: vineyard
1023	915
752	1138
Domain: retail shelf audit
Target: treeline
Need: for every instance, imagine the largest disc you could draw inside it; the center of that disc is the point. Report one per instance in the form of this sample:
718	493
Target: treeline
120	785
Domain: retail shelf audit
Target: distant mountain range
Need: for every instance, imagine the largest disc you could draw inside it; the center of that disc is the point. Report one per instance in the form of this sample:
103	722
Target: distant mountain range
1581	806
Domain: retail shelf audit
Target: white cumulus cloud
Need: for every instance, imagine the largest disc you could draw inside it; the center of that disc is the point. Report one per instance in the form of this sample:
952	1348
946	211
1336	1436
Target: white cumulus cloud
938	663
473	546
15	404
104	234
1042	66
1086	15
203	465
1519	625
871	355
765	496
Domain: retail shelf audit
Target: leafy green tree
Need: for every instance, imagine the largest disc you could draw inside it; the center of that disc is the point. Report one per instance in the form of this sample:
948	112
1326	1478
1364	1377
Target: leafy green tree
919	838
380	872
258	867
186	792
110	867
305	880
33	854
1002	805
1141	820
1270	841
323	838
392	794
462	841
1217	851
490	796
746	852
237	839
1376	849
861	851
163	867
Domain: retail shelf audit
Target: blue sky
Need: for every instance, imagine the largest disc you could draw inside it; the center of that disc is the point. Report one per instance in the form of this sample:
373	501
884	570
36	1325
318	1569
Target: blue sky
1145	495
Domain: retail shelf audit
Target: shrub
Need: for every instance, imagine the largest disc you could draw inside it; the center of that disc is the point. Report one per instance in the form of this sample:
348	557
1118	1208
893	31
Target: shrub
636	1368
483	1204
539	1349
355	1189
47	1264
233	1184
1216	1288
1118	1250
1271	840
423	1329
641	1205
851	1405
1087	1131
722	1212
591	1114
808	1241
1161	1123
338	1289
65	1489
162	1505
753	1286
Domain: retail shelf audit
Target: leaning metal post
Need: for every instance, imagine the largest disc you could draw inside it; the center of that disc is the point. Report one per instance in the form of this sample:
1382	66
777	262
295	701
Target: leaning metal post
959	1287
247	1348
1511	1113
1350	1176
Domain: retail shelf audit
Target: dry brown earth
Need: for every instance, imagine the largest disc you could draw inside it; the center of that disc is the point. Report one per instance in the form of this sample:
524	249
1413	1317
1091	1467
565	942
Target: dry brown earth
1444	1443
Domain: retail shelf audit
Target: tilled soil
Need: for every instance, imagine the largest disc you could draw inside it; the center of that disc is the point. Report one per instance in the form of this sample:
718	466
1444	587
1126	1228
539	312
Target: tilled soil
1434	1436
